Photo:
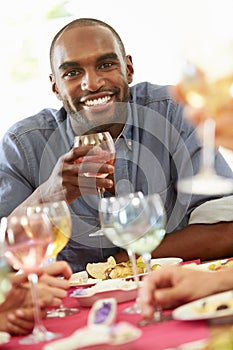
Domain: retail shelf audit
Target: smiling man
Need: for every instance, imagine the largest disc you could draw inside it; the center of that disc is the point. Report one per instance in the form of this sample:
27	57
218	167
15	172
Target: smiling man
91	75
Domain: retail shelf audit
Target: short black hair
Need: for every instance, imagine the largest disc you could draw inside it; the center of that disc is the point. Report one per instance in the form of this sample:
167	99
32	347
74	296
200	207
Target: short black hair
82	22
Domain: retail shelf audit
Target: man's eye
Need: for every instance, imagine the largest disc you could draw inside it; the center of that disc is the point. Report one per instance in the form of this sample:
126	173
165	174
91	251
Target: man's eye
106	65
72	73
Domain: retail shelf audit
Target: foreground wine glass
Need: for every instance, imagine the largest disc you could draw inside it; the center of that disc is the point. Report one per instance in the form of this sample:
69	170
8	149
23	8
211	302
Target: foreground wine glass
136	223
5	284
104	142
59	216
207	85
149	232
27	240
111	211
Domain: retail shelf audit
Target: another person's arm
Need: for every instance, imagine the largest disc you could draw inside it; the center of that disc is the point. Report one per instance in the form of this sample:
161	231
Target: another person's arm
198	241
17	311
174	285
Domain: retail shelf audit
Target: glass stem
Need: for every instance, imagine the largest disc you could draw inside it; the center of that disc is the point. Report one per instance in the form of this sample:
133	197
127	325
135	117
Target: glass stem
38	328
157	308
147	259
208	136
100	192
134	266
49	261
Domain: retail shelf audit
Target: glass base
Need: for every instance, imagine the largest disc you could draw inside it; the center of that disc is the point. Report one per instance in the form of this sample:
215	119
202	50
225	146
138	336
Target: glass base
62	312
134	309
97	233
39	336
206	184
157	318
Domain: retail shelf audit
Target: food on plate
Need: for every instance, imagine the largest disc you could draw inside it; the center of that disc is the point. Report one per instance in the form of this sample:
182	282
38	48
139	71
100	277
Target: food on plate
155	266
112	270
218	265
122	270
97	270
107	285
214	305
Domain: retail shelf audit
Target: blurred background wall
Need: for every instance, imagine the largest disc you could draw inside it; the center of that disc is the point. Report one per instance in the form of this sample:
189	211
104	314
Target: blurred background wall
155	32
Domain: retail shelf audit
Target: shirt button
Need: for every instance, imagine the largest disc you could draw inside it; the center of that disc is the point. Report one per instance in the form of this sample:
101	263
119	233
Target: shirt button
130	143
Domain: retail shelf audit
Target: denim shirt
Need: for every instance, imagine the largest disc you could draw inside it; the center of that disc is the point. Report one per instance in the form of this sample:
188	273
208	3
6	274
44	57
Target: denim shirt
156	148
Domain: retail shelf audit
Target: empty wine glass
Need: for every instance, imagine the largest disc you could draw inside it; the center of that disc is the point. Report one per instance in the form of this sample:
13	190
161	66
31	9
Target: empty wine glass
27	240
207	85
137	223
112	211
59	216
151	230
103	142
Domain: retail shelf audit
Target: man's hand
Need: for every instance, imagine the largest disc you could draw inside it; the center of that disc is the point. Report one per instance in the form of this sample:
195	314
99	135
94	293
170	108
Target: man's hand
69	178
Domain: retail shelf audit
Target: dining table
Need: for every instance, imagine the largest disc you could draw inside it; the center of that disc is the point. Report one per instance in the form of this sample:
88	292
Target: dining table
167	334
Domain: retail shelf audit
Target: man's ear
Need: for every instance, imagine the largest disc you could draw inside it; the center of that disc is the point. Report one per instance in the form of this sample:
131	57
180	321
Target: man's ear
54	86
130	69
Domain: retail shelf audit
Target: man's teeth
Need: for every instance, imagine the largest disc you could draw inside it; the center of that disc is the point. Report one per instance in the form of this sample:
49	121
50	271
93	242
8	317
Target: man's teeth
98	101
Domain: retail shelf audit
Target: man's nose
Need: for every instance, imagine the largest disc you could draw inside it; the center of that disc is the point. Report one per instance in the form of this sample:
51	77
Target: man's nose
92	81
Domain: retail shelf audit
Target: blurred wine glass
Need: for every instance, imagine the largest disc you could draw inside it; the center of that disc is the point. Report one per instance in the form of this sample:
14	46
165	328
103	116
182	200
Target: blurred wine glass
104	144
137	223
58	214
5	284
206	85
27	239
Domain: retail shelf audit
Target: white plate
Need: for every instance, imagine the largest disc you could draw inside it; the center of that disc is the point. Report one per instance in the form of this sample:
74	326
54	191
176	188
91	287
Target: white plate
209	266
121	290
4	337
161	262
215	264
166	261
81	279
121	336
191	311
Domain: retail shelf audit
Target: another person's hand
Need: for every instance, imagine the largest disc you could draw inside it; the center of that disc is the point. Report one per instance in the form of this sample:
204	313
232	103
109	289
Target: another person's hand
16	312
172	286
68	177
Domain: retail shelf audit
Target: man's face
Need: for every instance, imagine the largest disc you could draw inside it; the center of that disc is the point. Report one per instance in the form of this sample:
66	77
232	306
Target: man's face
90	76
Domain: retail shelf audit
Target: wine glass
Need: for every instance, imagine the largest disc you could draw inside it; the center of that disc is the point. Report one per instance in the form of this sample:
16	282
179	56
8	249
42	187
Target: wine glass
111	211
206	85
105	152
150	231
5	284
27	240
137	223
59	216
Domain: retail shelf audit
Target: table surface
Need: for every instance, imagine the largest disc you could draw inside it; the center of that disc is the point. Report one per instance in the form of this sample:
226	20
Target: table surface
157	336
161	336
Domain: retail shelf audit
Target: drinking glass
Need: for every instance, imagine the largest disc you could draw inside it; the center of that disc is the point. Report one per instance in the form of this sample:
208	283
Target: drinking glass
206	84
5	284
137	223
27	239
59	216
111	212
101	141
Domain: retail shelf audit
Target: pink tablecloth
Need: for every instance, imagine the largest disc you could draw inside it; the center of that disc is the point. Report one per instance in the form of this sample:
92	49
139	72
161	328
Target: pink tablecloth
155	337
